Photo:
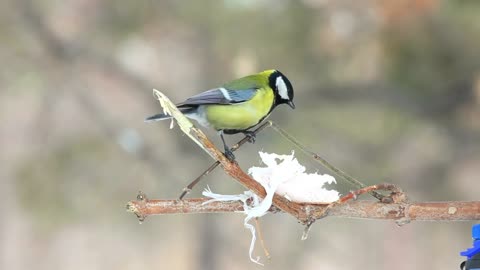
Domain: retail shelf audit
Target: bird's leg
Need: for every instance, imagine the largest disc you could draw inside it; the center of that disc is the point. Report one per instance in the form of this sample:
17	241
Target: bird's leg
228	153
251	135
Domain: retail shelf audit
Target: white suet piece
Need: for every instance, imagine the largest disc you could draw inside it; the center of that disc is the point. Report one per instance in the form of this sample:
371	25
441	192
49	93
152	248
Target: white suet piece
291	180
285	176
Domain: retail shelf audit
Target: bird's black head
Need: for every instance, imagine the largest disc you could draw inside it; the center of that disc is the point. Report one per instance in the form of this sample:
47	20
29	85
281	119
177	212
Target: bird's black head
282	87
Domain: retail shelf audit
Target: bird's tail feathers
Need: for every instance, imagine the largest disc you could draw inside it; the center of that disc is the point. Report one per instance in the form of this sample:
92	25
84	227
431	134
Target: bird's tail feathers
162	116
157	117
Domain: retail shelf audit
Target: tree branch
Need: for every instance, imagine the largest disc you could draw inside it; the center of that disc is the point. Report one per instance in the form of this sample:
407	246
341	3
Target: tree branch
231	168
395	206
400	212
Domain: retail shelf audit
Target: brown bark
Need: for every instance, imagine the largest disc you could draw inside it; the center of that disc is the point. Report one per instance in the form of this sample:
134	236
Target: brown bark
401	212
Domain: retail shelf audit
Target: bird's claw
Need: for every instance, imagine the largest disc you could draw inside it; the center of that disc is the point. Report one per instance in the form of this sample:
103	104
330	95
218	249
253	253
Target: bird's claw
229	155
251	136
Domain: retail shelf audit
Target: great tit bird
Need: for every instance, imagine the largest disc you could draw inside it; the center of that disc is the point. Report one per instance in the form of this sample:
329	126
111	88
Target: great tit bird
238	105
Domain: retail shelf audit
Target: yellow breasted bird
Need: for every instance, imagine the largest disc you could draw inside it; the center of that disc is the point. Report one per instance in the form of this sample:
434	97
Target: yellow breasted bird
238	105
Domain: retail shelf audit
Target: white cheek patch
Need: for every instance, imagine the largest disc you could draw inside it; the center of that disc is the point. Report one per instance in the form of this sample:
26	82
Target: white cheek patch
282	88
225	93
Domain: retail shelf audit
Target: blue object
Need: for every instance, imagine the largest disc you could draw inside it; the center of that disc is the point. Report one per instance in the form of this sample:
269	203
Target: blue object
476	232
469	253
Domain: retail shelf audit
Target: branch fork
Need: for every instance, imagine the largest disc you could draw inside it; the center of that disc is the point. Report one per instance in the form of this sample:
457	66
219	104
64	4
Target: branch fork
395	206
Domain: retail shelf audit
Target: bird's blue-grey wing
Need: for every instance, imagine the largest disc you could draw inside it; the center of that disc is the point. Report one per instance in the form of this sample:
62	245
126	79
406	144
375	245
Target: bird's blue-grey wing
219	96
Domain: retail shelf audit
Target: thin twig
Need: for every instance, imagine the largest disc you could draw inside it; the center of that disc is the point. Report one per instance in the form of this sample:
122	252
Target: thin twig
190	186
356	183
396	196
260	235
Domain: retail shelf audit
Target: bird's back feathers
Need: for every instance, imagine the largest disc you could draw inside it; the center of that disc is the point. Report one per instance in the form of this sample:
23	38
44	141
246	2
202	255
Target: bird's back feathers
219	96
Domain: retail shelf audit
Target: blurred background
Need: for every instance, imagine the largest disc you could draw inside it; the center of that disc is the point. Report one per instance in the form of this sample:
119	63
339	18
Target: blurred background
386	90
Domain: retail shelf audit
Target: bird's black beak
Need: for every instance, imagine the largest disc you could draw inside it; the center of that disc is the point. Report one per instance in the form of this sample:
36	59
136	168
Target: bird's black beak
290	103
